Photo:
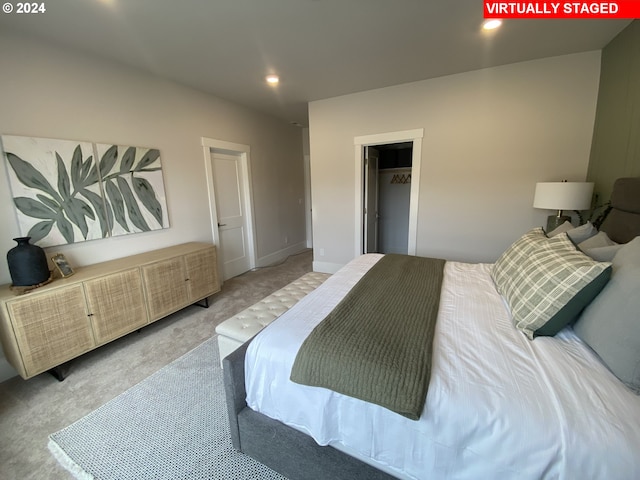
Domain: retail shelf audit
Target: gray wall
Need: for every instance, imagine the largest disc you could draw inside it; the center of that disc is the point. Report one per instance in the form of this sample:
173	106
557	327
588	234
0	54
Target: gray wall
489	136
616	138
55	93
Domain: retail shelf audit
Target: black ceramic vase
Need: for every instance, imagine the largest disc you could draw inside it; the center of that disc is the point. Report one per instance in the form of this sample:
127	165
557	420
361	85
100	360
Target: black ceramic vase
27	264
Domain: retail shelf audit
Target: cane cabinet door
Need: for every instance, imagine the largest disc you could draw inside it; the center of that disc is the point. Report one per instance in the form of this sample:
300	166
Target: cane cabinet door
116	304
51	327
202	272
166	286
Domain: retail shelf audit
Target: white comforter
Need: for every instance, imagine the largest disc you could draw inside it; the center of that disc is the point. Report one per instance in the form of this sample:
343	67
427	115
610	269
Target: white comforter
498	406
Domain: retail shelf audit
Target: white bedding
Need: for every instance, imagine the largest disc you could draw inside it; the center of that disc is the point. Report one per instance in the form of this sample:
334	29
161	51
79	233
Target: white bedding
498	406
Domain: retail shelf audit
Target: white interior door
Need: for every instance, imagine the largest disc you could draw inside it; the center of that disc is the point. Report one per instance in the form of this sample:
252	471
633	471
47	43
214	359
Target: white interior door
231	213
371	200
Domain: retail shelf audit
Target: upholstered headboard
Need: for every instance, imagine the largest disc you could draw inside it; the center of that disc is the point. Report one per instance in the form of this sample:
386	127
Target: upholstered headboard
623	221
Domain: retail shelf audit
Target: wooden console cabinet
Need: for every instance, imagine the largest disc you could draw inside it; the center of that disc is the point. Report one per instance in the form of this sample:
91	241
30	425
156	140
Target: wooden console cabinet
52	324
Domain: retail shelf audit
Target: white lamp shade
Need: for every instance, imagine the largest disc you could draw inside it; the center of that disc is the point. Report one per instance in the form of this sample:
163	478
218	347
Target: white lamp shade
563	195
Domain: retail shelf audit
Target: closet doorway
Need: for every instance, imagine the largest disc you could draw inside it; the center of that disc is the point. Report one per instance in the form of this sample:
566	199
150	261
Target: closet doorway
387	197
384	221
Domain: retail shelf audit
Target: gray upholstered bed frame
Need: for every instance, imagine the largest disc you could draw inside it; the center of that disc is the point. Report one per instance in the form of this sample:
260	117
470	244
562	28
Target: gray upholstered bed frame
622	224
282	448
296	455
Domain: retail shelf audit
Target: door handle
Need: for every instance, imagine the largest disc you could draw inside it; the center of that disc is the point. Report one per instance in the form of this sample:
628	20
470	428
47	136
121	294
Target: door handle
222	224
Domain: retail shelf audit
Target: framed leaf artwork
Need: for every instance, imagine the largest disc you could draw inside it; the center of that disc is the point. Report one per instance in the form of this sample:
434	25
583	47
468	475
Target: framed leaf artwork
67	191
133	188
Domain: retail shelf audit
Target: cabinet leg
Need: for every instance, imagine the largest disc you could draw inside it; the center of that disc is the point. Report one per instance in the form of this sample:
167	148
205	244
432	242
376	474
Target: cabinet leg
58	373
204	303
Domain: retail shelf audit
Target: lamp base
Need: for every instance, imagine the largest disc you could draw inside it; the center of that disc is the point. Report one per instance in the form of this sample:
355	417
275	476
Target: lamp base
554	221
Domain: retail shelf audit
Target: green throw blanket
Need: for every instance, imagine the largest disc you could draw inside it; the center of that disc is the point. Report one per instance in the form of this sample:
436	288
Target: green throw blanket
376	345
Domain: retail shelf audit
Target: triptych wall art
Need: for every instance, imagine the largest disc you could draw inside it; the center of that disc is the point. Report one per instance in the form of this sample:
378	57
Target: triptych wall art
69	191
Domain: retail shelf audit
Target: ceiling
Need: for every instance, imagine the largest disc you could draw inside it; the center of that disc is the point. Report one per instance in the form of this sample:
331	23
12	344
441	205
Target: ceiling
320	48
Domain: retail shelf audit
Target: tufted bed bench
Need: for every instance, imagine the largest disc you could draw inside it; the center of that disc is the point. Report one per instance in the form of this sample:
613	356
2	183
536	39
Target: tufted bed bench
235	331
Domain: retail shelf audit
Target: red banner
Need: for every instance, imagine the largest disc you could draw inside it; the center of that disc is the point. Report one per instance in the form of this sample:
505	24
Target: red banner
562	9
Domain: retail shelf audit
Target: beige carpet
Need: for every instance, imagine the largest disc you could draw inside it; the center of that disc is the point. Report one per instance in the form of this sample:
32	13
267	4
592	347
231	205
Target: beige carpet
30	410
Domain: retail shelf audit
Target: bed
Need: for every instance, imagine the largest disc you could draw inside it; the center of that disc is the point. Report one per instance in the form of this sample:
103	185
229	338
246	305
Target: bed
506	398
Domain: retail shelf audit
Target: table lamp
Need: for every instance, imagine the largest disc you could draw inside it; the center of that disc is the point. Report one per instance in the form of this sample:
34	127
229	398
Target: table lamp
561	196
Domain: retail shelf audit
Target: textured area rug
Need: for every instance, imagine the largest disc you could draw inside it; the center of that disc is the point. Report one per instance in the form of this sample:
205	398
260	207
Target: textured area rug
172	425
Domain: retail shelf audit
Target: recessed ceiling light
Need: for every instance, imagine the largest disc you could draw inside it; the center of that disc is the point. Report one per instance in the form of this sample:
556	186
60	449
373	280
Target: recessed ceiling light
491	24
272	79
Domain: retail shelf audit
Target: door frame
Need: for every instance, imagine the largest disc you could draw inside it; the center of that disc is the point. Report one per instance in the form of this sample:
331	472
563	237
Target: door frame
370	217
210	146
307	201
414	136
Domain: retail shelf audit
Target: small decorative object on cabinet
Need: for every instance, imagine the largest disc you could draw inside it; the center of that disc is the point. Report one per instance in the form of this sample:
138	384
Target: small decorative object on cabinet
27	264
70	316
62	265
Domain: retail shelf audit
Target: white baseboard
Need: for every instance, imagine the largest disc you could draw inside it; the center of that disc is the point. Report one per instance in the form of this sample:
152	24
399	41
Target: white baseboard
326	267
280	255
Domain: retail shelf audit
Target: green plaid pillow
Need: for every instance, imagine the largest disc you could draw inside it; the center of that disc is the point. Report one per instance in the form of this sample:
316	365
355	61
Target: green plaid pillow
547	281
